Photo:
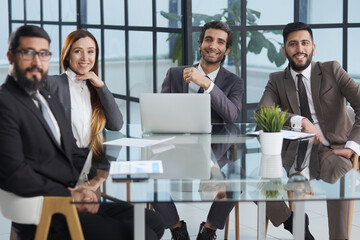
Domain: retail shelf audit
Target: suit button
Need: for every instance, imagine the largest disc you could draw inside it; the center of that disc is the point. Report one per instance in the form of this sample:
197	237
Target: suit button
72	184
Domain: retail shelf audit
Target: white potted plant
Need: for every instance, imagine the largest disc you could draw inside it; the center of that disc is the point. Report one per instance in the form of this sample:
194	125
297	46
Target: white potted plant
271	120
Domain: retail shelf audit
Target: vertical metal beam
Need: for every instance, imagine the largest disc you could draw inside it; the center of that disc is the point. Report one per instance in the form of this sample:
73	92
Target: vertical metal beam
127	67
10	16
25	18
186	11
303	15
60	29
78	14
102	45
296	10
243	60
81	6
345	34
154	46
42	13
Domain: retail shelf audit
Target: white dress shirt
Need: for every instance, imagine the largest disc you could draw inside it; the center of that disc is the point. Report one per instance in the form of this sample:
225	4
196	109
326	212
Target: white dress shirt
80	110
193	88
296	120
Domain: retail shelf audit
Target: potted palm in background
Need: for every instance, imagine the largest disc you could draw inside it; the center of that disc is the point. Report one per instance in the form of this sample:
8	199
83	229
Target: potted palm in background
271	120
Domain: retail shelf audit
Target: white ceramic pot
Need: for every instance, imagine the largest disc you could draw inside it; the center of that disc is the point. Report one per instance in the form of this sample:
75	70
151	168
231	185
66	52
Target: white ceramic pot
271	166
271	142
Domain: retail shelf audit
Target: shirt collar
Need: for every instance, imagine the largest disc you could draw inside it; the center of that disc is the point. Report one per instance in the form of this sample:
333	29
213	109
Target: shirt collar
211	75
306	73
71	75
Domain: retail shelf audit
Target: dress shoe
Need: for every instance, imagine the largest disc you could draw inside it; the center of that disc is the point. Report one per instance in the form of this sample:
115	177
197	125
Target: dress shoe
288	225
205	233
180	233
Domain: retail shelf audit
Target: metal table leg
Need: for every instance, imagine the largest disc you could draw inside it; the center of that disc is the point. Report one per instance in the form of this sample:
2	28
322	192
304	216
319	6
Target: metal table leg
299	220
261	219
139	221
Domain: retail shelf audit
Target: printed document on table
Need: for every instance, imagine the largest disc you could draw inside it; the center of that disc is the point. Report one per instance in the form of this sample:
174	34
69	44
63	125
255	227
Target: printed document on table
136	142
291	135
136	167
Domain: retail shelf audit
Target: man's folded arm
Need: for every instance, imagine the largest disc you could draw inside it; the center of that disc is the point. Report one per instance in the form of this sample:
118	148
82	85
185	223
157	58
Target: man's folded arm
228	107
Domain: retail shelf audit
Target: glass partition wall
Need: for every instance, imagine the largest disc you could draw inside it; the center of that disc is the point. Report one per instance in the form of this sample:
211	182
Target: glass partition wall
139	40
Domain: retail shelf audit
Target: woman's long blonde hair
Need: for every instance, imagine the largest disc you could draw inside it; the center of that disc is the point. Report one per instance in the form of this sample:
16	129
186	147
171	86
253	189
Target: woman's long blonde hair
98	119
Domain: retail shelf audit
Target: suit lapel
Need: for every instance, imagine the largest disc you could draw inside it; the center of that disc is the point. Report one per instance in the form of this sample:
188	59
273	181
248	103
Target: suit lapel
316	78
59	116
64	97
27	101
185	86
291	93
219	80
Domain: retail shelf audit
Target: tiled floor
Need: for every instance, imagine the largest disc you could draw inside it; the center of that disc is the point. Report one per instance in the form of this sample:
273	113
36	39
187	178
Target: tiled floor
193	214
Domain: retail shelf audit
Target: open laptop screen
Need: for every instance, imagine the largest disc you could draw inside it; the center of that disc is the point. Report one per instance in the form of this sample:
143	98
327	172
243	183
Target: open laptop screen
175	113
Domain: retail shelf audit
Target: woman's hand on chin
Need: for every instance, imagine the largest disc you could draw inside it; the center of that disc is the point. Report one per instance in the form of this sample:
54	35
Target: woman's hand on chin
92	77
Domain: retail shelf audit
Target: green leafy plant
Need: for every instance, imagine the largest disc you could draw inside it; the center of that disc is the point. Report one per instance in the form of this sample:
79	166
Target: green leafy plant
270	119
257	40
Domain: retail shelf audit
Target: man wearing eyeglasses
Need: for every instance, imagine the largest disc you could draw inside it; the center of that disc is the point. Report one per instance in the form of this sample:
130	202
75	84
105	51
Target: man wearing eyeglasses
36	146
29	71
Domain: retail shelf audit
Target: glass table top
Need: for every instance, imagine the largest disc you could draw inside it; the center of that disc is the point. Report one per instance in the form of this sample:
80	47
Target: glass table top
227	165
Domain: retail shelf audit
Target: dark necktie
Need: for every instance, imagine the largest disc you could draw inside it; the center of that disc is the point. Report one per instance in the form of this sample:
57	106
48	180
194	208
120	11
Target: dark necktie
304	104
46	114
302	148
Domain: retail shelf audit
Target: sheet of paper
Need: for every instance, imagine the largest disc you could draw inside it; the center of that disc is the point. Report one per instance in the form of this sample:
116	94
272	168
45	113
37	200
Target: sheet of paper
136	167
291	135
136	142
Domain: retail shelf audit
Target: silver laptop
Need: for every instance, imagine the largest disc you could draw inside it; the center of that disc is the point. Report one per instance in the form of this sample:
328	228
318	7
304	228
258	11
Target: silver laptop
187	156
175	113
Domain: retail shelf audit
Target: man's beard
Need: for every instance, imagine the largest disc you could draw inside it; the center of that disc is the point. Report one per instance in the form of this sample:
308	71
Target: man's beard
296	67
28	84
219	59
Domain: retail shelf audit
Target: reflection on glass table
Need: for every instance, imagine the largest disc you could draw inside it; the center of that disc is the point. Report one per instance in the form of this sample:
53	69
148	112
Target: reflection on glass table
227	165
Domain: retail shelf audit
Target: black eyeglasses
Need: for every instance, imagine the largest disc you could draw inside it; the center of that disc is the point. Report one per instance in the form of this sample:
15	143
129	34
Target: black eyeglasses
29	54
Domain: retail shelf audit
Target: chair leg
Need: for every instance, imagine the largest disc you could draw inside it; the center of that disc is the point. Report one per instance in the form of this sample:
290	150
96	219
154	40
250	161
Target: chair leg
226	230
355	161
291	203
12	237
350	218
62	205
237	222
266	225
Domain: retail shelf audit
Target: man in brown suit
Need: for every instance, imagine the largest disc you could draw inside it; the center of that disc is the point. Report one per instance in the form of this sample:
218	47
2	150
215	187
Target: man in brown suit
315	96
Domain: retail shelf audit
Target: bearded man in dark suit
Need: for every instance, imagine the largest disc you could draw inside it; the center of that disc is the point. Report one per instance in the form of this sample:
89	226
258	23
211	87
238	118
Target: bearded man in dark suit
36	147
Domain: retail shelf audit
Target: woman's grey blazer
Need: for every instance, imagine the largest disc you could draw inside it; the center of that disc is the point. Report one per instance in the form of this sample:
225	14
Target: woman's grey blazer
59	86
